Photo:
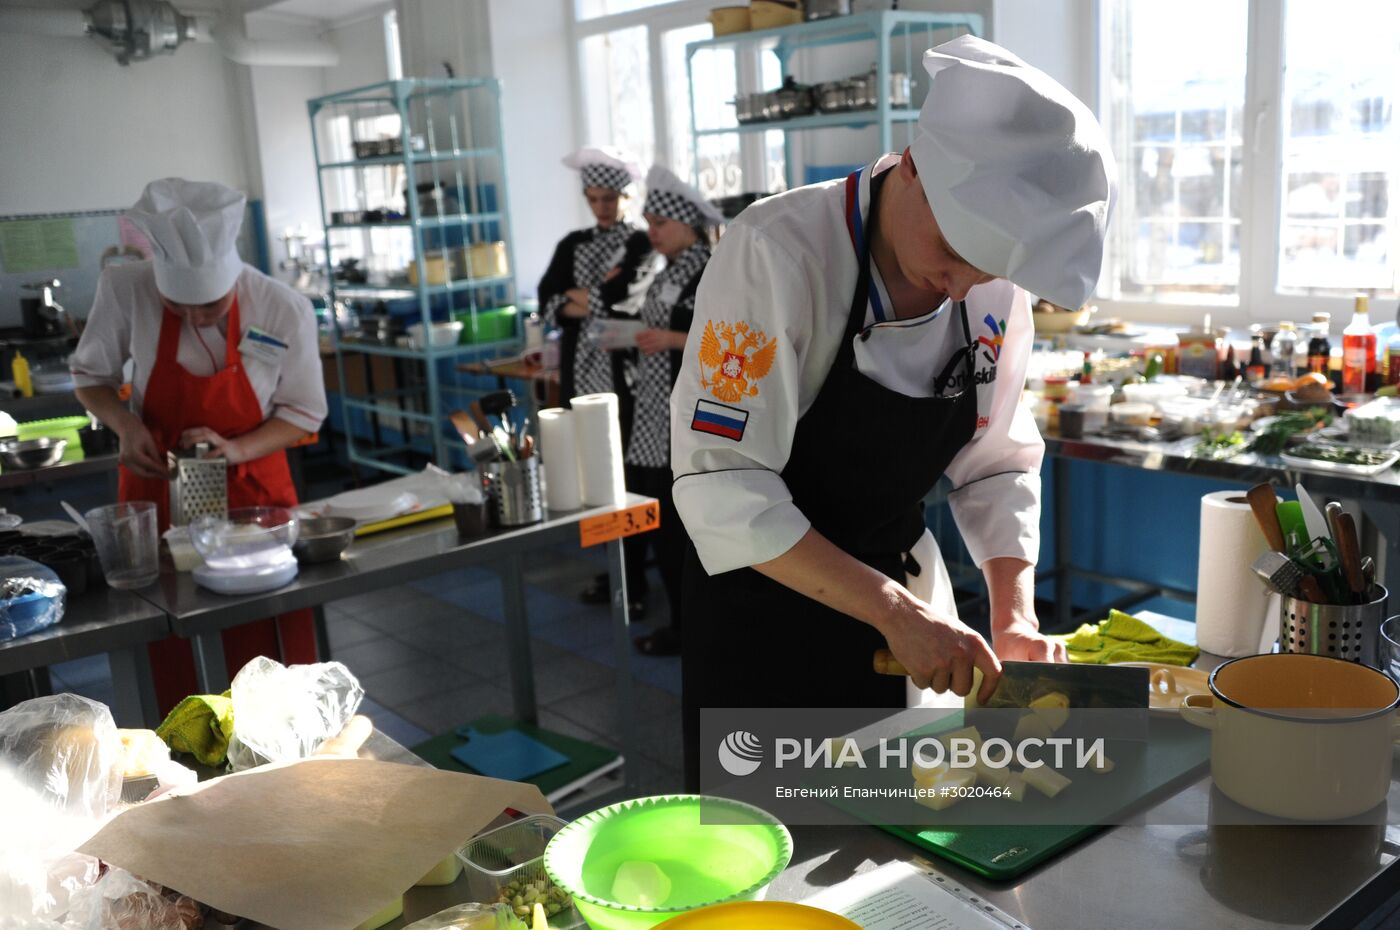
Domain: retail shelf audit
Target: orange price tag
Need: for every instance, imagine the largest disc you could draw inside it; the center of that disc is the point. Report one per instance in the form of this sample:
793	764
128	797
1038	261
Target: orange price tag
640	518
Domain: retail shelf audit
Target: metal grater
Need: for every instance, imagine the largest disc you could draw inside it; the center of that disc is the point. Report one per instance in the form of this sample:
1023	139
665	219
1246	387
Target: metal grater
198	486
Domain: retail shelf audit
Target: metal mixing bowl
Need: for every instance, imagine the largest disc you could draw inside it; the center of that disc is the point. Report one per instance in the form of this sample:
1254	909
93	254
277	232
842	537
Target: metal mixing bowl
32	453
323	539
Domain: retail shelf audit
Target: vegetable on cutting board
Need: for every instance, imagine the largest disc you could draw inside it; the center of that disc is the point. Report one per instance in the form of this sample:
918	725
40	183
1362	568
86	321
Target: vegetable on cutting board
956	780
1045	780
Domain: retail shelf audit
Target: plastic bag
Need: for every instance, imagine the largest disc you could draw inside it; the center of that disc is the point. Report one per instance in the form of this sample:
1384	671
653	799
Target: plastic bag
471	917
121	901
60	776
31	597
460	488
66	749
284	713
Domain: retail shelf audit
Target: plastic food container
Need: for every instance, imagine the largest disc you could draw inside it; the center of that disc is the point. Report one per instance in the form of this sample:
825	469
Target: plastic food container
1095	399
514	852
1131	414
443	334
1374	424
182	551
1153	392
1190	414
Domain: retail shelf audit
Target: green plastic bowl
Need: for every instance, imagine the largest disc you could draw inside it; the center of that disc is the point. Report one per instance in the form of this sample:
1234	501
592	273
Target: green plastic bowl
706	863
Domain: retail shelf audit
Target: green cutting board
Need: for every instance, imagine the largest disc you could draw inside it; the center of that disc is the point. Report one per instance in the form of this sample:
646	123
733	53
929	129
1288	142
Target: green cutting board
1174	755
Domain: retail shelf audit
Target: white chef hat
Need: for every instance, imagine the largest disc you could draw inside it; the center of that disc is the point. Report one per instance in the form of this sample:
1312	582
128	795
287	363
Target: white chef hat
669	196
193	227
1017	170
604	166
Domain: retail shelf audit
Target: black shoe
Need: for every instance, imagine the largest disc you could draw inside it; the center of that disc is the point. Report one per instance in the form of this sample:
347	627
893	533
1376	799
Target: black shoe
600	592
597	592
664	642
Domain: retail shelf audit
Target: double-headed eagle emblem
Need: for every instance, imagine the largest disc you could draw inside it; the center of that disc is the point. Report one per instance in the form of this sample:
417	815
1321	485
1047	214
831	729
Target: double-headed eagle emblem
733	359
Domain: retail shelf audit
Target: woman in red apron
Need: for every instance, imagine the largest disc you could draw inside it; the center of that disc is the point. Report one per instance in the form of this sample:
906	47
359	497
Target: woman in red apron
191	228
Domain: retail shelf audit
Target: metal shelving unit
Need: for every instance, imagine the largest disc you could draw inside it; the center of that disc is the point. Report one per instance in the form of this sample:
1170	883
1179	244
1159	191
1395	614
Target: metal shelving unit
445	142
899	38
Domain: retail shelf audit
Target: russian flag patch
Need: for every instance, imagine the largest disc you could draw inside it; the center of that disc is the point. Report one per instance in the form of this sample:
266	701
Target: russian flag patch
719	420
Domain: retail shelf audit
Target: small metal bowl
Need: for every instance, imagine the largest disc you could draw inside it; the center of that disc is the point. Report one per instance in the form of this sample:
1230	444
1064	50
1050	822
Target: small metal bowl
32	453
323	539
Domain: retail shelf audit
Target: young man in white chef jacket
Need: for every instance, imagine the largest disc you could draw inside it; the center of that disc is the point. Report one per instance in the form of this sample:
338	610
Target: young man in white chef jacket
853	342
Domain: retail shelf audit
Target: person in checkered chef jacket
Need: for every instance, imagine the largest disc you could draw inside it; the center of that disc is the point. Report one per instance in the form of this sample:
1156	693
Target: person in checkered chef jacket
678	223
855	341
593	271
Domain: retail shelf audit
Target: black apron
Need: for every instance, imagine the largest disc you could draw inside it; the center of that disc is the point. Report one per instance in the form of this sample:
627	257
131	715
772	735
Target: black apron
752	642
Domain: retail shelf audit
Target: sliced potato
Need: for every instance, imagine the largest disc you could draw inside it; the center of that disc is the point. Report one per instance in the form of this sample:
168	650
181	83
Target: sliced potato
1102	769
1045	780
1032	726
1017	785
1053	708
992	776
958	778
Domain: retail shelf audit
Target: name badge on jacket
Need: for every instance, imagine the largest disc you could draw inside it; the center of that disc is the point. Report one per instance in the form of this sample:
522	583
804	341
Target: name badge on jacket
670	293
262	346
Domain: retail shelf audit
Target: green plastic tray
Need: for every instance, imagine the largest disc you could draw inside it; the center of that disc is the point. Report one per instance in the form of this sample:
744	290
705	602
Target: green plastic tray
486	325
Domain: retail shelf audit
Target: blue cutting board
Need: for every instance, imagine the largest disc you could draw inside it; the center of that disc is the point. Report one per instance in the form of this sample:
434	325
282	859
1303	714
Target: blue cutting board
510	754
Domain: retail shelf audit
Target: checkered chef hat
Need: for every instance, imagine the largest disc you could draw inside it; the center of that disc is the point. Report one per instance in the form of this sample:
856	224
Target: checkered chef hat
604	166
669	196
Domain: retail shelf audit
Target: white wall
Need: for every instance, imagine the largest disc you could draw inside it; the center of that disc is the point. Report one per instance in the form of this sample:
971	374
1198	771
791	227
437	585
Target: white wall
362	56
530	48
81	132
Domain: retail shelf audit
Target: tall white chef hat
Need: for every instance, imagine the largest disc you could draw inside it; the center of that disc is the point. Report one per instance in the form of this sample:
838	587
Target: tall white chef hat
193	227
604	166
669	196
1017	170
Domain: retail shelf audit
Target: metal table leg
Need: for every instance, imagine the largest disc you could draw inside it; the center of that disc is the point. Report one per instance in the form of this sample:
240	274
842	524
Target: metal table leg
622	646
133	689
209	665
1064	543
522	671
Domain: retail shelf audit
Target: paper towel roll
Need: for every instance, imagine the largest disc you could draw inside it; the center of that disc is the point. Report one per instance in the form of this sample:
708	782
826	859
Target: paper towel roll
1232	604
598	439
558	449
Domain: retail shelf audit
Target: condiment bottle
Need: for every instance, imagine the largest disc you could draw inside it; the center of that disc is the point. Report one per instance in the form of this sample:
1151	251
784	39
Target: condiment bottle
1284	349
1319	346
1359	351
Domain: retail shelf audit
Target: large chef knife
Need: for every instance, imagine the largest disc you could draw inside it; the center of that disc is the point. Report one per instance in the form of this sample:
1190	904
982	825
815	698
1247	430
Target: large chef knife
1086	686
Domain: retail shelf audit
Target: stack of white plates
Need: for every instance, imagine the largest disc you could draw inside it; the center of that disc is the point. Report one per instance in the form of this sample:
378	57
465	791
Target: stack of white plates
272	573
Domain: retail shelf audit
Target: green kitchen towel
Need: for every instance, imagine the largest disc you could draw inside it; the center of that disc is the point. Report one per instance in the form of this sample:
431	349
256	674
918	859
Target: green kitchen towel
1124	638
200	725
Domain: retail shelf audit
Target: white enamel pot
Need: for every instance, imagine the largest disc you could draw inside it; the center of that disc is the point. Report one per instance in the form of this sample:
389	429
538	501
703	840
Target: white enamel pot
1300	736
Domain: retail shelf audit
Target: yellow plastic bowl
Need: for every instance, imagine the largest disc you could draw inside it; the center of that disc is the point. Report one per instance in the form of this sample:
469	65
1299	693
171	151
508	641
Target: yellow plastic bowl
759	915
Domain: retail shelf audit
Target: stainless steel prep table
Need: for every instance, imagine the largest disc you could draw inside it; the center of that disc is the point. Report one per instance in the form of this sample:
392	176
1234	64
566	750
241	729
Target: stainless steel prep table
1156	876
396	557
1379	493
101	620
63	471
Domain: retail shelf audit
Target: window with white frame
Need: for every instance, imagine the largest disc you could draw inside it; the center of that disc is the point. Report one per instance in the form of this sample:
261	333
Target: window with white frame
635	90
1256	145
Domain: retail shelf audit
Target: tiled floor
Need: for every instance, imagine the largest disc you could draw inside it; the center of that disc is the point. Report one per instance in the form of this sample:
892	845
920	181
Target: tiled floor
432	656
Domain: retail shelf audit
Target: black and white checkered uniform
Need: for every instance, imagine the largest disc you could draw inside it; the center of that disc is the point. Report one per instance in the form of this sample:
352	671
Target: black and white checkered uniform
672	206
669	304
593	257
604	176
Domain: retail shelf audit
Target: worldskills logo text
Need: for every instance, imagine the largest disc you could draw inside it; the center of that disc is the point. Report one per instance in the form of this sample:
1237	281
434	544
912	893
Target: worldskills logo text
992	344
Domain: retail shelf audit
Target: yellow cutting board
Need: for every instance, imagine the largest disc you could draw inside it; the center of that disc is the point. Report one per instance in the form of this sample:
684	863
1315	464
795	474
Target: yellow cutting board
393	523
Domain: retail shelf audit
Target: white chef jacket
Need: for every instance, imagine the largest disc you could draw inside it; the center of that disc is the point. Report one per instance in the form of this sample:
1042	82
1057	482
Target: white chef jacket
786	267
124	325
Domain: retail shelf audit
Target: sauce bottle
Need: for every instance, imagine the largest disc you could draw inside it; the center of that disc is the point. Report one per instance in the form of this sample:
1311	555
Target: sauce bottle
1319	346
1359	351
